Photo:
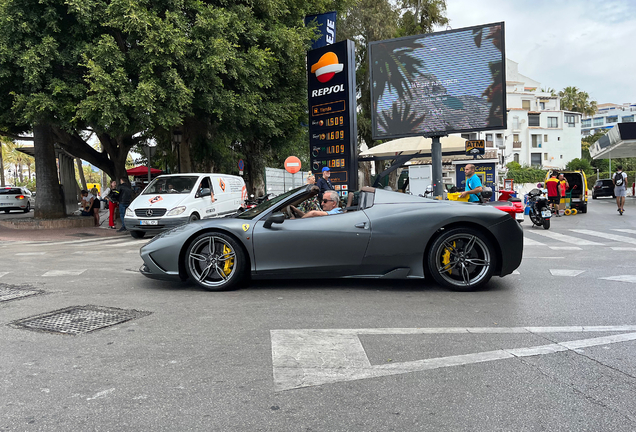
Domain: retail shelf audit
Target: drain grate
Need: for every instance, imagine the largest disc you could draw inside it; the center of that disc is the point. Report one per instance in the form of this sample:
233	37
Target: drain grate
77	320
12	292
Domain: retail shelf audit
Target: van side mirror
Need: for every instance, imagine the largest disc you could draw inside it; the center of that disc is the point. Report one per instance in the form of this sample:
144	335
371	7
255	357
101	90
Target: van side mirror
205	192
274	218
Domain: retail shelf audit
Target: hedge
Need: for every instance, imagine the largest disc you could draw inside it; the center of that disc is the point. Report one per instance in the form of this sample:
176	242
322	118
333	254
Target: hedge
527	175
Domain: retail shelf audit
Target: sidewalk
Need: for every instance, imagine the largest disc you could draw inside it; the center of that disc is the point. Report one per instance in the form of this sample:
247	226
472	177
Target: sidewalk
55	234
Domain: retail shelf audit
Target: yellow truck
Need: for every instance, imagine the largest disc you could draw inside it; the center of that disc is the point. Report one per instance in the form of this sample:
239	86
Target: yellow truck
577	190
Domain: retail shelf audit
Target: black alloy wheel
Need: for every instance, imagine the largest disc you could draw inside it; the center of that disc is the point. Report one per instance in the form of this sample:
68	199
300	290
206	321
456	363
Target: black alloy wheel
215	261
462	259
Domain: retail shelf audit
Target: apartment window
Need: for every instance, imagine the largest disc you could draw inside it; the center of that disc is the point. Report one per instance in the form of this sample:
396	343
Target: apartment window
489	140
611	119
542	105
515	123
525	104
598	121
587	123
545	156
534	120
515	137
499	136
536	141
570	119
628	119
545	138
516	157
535	159
553	122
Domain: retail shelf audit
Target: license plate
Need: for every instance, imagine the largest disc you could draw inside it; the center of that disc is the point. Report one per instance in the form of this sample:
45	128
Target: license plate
546	213
519	216
5	204
148	222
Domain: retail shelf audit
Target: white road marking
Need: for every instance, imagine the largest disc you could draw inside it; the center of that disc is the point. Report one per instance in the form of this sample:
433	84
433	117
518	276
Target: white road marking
623	249
628	231
608	236
4	273
515	272
622	278
92	240
136	243
64	272
543	257
101	394
566	238
562	272
304	358
565	248
30	253
527	241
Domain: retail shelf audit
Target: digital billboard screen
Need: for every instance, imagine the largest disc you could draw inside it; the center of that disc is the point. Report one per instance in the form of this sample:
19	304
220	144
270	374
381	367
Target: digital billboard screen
439	83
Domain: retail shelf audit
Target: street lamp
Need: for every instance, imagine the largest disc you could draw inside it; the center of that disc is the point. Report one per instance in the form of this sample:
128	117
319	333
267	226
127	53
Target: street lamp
176	139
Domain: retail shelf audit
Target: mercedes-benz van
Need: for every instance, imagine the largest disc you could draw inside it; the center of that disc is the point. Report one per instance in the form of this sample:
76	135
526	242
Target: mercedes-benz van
175	199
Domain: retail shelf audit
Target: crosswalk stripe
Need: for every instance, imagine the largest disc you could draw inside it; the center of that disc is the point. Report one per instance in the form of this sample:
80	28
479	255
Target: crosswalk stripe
529	242
628	231
64	272
608	236
565	248
95	240
30	253
136	243
3	274
567	239
623	249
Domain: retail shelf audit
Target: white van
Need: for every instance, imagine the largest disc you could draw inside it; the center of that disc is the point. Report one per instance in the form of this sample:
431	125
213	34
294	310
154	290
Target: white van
175	199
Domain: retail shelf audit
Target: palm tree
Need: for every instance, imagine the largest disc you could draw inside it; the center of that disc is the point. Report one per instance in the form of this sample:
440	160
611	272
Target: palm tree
573	99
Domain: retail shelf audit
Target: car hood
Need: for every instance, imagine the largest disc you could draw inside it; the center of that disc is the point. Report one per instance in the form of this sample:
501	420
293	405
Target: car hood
167	201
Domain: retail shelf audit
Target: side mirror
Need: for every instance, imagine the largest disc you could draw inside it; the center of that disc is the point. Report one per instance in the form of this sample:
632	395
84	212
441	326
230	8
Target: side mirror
205	192
274	218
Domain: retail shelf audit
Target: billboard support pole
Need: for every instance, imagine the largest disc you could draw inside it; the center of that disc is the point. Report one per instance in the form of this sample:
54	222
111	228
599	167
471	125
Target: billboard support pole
436	161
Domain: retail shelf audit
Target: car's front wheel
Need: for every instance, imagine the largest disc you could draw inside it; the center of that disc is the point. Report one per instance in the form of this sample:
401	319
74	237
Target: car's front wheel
462	259
137	234
215	261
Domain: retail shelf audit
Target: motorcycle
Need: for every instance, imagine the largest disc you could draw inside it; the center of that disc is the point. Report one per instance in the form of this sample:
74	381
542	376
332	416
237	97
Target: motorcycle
253	202
538	208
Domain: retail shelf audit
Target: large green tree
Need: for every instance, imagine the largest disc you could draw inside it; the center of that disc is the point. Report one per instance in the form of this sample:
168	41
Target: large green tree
226	74
573	99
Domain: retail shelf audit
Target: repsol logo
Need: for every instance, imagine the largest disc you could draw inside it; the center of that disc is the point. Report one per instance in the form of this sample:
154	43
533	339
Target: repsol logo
328	90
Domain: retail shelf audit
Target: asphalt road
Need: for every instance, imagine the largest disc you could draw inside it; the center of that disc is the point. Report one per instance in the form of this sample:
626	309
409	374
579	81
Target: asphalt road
550	348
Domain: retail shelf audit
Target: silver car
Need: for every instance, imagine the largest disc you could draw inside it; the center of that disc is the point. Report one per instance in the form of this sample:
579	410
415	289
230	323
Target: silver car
16	198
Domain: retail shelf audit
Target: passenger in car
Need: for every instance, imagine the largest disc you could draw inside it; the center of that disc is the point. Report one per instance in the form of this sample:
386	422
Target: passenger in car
330	201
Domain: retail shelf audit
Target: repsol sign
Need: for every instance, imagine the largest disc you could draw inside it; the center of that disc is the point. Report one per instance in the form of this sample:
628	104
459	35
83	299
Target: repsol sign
328	90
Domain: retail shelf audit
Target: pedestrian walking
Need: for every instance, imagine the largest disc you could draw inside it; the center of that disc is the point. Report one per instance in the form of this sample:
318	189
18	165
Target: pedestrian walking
620	188
111	194
125	198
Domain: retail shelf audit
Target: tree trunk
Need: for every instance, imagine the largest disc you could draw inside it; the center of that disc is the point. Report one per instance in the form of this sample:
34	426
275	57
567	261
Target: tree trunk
2	183
80	170
49	202
255	169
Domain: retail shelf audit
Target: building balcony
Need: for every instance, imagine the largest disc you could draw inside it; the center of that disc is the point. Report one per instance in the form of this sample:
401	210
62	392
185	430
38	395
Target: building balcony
516	144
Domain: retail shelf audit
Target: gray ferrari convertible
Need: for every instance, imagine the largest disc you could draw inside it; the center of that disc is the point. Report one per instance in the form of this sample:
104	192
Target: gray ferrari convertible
379	234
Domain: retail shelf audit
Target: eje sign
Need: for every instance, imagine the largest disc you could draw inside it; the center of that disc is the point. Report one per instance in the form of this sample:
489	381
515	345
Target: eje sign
332	114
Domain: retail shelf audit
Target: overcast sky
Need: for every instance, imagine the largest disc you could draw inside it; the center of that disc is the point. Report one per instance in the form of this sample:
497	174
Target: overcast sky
589	44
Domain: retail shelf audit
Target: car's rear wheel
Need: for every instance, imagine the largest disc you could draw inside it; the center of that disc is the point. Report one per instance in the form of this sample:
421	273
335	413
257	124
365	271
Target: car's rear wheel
137	234
215	261
462	259
28	208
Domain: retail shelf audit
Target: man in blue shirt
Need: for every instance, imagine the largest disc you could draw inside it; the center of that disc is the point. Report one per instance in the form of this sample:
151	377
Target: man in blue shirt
330	201
473	184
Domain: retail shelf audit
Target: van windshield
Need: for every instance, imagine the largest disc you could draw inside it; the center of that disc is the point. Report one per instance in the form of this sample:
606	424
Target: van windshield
171	185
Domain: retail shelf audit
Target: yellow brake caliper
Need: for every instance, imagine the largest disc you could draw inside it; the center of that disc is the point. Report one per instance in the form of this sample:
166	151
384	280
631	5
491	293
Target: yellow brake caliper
227	268
446	258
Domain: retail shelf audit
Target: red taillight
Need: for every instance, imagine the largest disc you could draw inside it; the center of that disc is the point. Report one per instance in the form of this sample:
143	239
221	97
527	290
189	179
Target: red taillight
19	197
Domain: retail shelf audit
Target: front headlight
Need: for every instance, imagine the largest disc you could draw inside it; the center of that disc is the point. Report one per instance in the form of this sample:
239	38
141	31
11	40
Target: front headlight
176	211
129	212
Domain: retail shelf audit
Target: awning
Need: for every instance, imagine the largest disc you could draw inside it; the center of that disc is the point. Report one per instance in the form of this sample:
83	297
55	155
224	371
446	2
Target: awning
142	170
453	148
618	142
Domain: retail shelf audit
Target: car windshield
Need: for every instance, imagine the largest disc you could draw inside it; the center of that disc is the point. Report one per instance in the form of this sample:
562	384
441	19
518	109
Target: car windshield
255	211
171	185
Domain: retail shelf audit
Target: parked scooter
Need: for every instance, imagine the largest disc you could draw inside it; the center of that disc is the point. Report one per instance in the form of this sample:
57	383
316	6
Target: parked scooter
538	208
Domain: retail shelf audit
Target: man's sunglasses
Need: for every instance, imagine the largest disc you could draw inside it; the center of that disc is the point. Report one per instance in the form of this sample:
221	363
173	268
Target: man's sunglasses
326	200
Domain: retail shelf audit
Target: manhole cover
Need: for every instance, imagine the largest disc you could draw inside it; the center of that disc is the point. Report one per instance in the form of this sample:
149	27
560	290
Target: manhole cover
79	319
82	234
12	292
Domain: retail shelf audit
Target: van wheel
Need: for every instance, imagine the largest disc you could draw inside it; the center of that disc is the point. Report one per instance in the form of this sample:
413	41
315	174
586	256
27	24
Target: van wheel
137	234
193	217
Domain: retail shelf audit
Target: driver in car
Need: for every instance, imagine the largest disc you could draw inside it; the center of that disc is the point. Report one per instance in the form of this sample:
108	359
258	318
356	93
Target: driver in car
330	200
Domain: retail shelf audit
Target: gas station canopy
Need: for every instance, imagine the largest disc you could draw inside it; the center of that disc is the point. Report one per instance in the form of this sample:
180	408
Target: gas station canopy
619	142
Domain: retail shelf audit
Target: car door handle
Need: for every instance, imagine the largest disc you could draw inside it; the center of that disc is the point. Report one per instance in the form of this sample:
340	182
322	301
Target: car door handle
363	225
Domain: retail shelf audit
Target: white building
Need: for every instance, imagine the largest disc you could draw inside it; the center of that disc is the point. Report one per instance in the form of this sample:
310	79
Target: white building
607	115
539	133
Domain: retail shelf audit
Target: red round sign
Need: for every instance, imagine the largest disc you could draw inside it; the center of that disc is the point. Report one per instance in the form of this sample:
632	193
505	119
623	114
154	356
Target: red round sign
292	164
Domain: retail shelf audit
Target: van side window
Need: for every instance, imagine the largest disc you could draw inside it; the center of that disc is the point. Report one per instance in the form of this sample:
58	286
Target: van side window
205	183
